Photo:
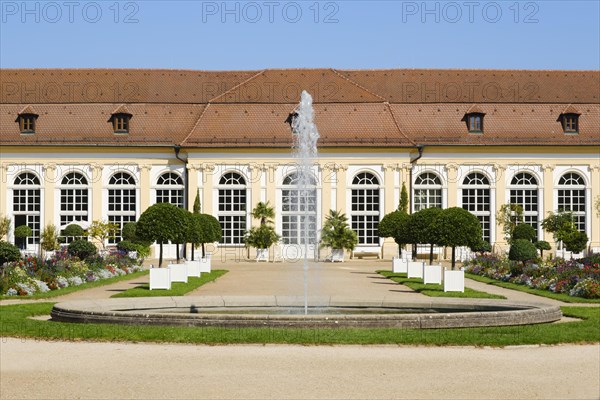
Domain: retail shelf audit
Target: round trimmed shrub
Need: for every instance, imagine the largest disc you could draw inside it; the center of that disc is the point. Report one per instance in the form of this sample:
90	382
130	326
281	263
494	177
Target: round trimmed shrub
8	252
542	245
524	231
522	250
82	249
73	230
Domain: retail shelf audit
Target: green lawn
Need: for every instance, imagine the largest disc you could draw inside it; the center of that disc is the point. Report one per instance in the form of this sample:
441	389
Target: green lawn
71	289
434	290
538	292
177	288
15	321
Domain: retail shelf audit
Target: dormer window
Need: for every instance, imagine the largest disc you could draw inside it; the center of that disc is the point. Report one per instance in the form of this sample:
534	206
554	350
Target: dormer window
120	121
570	123
27	123
474	121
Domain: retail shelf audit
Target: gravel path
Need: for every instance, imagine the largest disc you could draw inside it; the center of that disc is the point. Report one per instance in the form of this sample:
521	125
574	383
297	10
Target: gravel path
31	369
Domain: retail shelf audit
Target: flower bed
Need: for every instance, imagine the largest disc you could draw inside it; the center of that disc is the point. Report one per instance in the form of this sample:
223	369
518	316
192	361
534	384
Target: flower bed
580	278
32	275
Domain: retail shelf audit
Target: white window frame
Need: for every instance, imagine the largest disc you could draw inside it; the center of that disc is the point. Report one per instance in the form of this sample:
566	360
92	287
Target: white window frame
365	216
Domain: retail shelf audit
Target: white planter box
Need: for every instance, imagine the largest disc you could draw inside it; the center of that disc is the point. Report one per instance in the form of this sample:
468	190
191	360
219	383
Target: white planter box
454	281
193	268
415	269
337	255
160	278
205	265
399	266
432	274
262	255
178	272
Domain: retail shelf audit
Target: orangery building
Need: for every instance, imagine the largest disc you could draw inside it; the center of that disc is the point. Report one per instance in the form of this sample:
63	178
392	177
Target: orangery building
79	145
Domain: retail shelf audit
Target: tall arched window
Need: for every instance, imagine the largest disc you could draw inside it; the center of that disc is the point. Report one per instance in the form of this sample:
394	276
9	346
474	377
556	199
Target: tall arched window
427	191
169	189
296	206
26	205
74	199
476	200
232	207
121	201
365	208
571	197
524	192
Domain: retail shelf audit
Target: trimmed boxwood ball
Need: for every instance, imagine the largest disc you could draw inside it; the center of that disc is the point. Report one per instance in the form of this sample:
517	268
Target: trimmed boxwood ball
73	230
542	245
524	231
82	249
522	250
8	252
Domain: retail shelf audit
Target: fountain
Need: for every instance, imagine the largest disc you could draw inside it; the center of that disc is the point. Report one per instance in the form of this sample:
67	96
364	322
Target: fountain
305	152
329	312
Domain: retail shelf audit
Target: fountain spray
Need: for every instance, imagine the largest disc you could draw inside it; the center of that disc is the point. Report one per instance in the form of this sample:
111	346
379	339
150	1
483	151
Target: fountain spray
305	152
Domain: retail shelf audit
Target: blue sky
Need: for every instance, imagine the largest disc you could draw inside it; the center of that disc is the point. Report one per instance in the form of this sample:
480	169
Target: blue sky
217	35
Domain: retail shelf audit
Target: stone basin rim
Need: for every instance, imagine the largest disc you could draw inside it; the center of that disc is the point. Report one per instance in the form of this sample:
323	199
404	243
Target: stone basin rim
146	311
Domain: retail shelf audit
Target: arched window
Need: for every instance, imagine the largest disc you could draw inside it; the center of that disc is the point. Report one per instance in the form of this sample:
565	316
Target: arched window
571	197
26	206
427	191
232	207
74	198
296	206
170	189
121	201
476	200
524	192
365	208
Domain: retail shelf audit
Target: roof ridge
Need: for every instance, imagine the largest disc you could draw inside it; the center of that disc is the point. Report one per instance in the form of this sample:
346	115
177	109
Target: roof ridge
396	123
195	125
237	86
357	85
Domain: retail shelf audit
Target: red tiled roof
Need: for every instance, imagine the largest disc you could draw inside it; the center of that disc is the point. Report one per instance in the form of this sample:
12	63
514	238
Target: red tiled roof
248	108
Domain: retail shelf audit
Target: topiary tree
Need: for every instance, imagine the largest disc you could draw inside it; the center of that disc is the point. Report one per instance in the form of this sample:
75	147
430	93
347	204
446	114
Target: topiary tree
128	232
422	228
482	246
524	231
82	249
395	225
8	252
542	245
522	250
22	232
73	230
180	237
575	242
197	202
457	227
212	230
403	206
160	223
196	233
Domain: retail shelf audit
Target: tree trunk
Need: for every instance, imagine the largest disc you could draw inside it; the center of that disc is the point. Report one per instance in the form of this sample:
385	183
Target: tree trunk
203	252
453	262
192	251
177	250
430	254
160	255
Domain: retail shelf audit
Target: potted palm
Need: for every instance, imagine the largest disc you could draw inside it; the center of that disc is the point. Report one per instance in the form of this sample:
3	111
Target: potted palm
337	235
263	236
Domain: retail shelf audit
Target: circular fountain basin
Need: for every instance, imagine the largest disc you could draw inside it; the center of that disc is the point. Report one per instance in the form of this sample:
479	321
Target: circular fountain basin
277	311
